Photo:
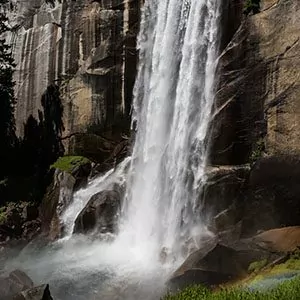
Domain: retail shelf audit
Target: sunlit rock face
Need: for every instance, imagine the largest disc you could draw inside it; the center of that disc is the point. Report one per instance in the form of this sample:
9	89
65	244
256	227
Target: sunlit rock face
88	47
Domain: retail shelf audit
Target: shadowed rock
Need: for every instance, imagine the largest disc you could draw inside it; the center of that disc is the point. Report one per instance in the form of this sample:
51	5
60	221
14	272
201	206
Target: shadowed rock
100	214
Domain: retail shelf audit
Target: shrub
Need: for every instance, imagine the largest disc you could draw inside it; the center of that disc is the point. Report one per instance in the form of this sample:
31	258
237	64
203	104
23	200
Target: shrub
257	265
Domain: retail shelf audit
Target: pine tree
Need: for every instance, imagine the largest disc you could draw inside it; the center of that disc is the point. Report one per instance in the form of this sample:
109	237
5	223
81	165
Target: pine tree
7	100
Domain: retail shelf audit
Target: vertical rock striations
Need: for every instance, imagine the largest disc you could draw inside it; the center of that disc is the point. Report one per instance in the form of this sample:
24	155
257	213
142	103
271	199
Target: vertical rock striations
88	47
257	110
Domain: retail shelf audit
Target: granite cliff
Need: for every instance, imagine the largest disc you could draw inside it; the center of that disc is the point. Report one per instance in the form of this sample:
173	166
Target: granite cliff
256	122
88	49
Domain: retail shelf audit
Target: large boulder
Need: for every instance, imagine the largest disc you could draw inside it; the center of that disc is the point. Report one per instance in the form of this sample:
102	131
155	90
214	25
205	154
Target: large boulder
100	214
210	266
215	263
37	293
16	282
285	239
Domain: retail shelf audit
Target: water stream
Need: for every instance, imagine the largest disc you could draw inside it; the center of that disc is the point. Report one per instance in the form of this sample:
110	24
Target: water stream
173	100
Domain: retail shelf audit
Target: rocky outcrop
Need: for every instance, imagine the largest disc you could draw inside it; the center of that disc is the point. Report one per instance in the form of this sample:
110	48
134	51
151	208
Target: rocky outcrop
88	48
16	282
100	214
18	286
37	293
59	195
19	221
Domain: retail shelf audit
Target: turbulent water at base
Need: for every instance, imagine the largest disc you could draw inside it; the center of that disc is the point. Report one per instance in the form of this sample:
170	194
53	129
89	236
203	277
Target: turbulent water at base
160	220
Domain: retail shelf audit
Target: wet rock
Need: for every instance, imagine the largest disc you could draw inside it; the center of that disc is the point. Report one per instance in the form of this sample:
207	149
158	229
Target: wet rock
100	214
210	266
16	282
220	200
285	239
215	263
81	174
37	293
271	197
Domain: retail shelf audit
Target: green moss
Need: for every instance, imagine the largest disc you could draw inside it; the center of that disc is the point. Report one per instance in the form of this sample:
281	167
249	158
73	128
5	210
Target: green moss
257	151
288	290
3	216
293	264
68	163
257	265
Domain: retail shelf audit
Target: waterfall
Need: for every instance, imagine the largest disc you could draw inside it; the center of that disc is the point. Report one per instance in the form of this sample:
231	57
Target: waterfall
173	100
160	220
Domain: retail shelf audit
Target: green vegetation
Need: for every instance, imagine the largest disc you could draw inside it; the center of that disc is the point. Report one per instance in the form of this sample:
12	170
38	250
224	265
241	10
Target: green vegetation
257	151
257	265
288	290
252	6
3	216
68	163
24	172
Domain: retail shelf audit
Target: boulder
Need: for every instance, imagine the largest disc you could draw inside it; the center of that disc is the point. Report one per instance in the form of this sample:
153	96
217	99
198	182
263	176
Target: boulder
16	282
215	263
100	214
279	240
209	266
37	293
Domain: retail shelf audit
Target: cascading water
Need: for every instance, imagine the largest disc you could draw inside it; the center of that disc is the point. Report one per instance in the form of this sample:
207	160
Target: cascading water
172	107
173	100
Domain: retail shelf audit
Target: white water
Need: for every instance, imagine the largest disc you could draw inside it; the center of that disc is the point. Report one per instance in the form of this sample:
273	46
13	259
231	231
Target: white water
81	197
173	100
174	95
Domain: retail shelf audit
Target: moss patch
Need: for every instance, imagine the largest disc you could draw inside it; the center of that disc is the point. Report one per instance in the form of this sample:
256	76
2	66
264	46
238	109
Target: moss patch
257	265
3	215
288	290
68	163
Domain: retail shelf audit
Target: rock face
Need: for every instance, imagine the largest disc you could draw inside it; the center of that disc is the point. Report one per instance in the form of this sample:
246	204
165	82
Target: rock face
59	195
88	47
100	214
19	221
256	117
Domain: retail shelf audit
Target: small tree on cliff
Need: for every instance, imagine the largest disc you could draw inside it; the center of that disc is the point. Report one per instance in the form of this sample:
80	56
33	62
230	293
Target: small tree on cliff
7	100
252	6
